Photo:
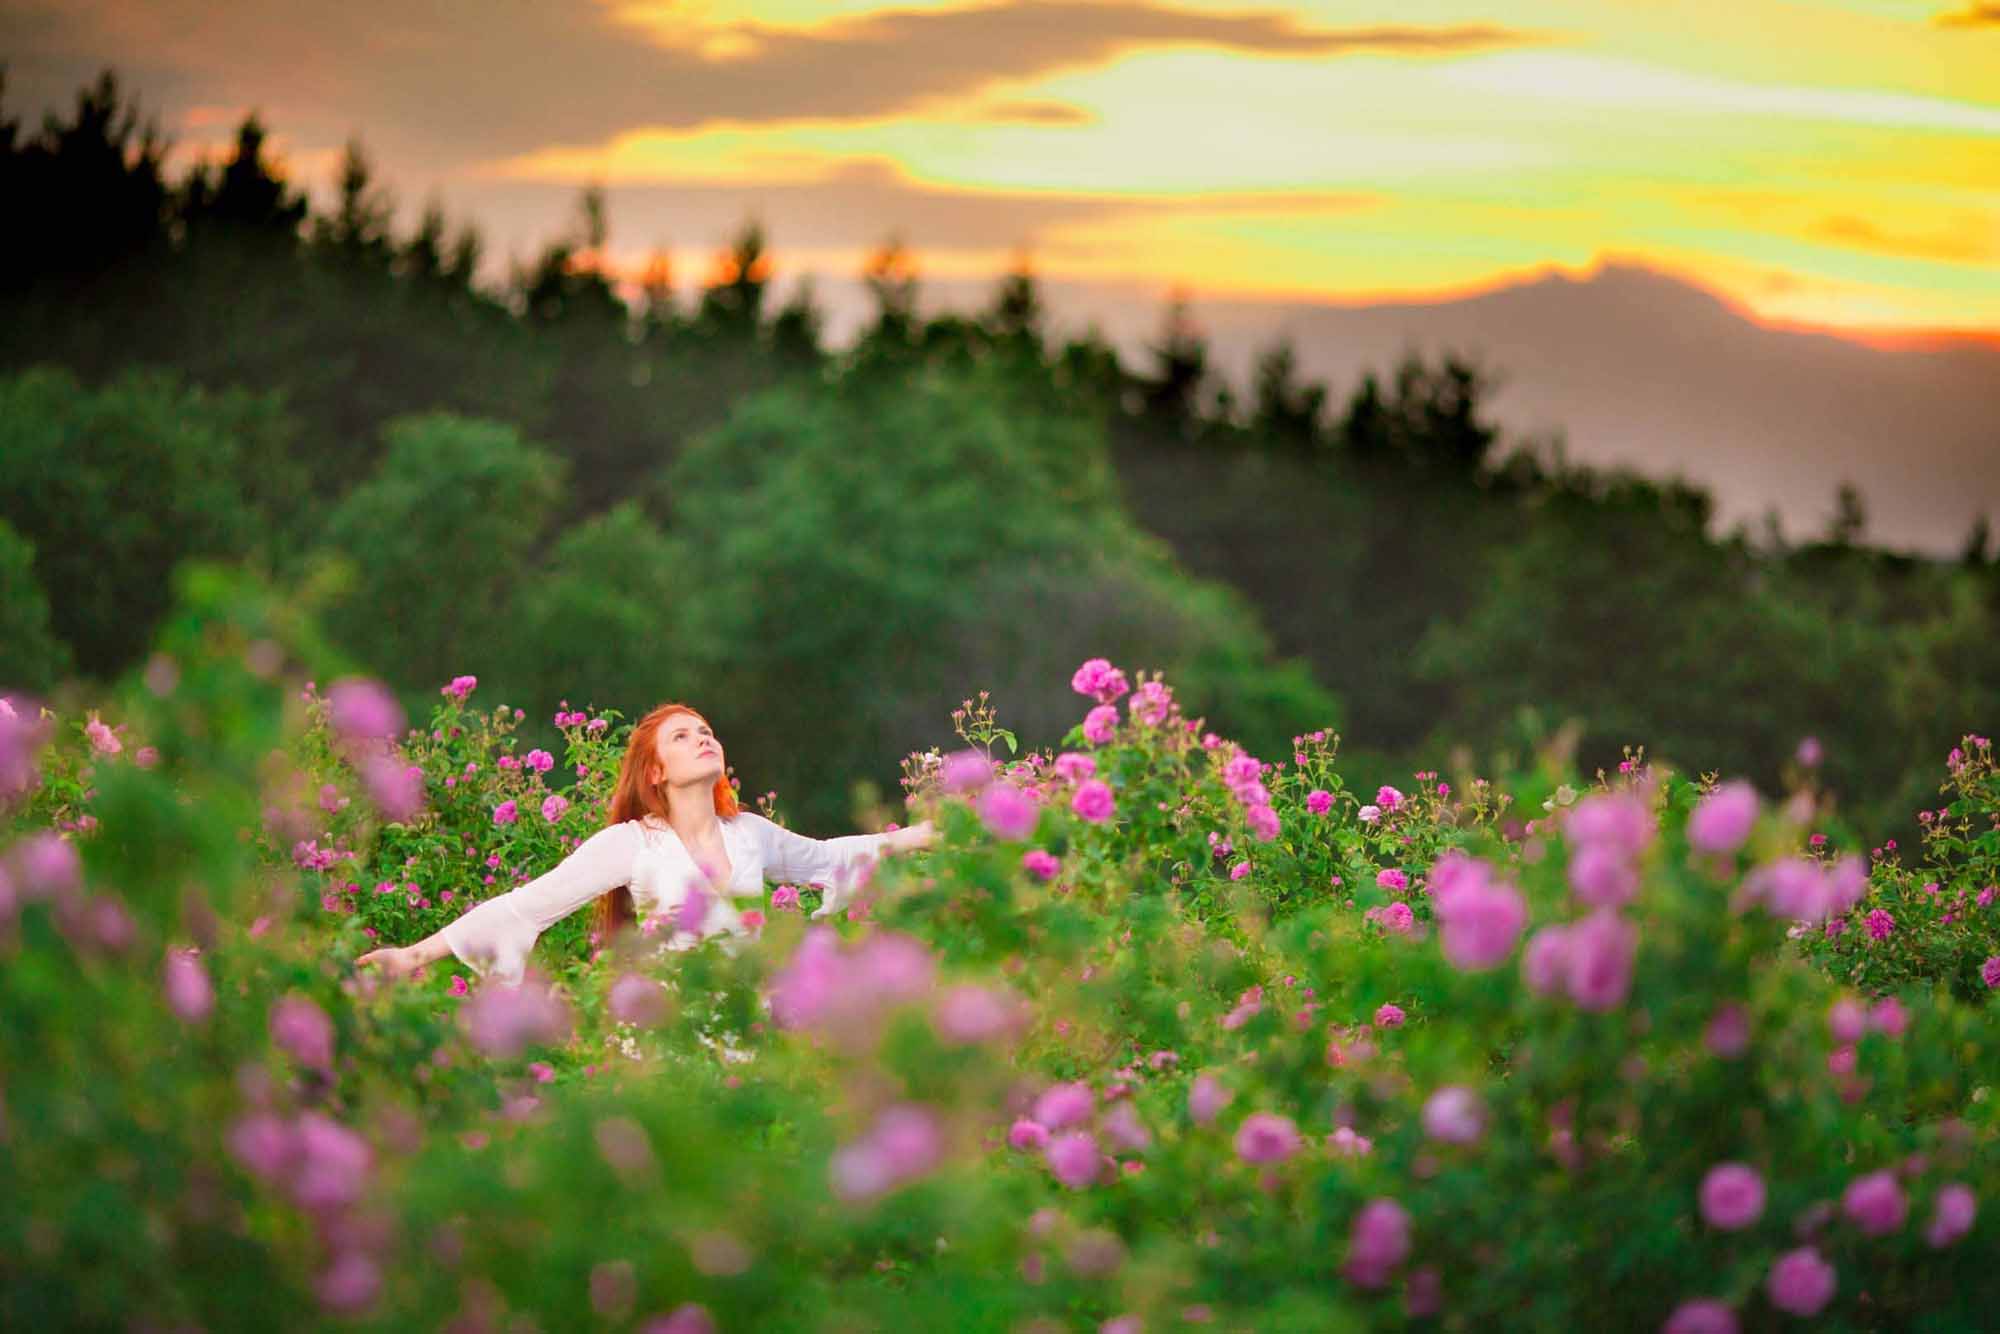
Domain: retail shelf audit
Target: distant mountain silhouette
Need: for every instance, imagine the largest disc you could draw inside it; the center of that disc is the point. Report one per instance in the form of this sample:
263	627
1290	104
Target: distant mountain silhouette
1641	368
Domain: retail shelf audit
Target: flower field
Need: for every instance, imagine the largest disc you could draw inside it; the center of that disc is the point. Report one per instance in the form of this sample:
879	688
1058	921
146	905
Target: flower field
1157	1035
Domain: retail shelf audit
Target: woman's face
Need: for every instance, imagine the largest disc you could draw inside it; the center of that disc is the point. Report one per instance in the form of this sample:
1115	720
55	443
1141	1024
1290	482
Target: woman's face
687	752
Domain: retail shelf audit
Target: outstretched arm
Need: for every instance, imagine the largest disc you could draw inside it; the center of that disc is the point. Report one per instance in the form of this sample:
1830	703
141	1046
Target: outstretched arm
836	865
495	936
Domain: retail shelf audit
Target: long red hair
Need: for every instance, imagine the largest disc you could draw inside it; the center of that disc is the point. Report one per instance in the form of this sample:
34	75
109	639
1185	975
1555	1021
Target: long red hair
636	796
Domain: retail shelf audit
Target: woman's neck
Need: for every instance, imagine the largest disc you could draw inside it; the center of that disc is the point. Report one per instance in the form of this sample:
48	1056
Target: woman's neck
691	813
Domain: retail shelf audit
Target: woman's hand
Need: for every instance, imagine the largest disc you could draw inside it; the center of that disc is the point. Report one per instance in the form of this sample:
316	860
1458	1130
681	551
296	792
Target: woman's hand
401	961
918	835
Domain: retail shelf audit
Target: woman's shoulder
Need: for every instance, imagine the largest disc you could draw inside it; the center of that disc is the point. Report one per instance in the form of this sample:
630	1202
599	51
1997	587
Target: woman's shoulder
621	834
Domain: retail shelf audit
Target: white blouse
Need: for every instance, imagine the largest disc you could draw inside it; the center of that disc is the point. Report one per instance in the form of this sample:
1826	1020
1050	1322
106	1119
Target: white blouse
647	857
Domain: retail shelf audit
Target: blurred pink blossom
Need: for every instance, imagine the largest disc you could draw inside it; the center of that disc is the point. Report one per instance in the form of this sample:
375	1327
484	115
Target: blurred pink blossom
302	1029
1480	918
1378	1242
1027	1135
965	771
361	709
333	1164
1952	1213
1731	1196
1702	1315
1619	821
396	787
502	1020
1062	1105
1603	875
1093	800
1454	1115
1846	1020
1074	1158
1875	1203
1598	960
1206	1097
969	1014
350	1284
636	999
45	865
1266	1137
1722	820
264	1144
1728	1032
1800	1282
1006	811
687	1318
904	1143
185	981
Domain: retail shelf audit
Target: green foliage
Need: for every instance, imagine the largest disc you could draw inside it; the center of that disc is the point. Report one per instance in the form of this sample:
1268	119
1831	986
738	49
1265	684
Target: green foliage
591	622
1936	923
31	655
1752	659
439	539
114	486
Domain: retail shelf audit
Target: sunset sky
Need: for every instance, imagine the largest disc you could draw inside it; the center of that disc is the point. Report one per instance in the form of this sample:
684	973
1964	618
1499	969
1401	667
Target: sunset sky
1834	164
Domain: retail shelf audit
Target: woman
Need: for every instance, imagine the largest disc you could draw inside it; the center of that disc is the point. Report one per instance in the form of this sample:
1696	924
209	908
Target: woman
675	827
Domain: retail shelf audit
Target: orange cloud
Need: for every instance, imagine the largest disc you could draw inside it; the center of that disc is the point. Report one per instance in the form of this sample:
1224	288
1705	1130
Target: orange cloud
1035	113
1978	14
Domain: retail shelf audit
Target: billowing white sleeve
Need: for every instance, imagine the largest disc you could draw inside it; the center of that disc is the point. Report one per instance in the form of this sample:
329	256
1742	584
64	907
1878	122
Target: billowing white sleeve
494	937
837	865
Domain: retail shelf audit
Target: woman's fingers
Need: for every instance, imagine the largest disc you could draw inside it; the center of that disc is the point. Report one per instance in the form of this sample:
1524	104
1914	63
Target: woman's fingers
391	961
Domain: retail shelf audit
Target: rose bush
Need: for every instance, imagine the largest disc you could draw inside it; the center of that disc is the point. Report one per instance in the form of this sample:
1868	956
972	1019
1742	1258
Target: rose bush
1424	1060
1937	922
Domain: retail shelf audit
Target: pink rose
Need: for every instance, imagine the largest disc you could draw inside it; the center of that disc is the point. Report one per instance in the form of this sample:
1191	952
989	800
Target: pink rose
1721	822
1800	1282
1377	1243
1875	1203
1100	724
1480	919
1732	1196
1266	1137
1074	1158
1454	1115
1093	801
1006	811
